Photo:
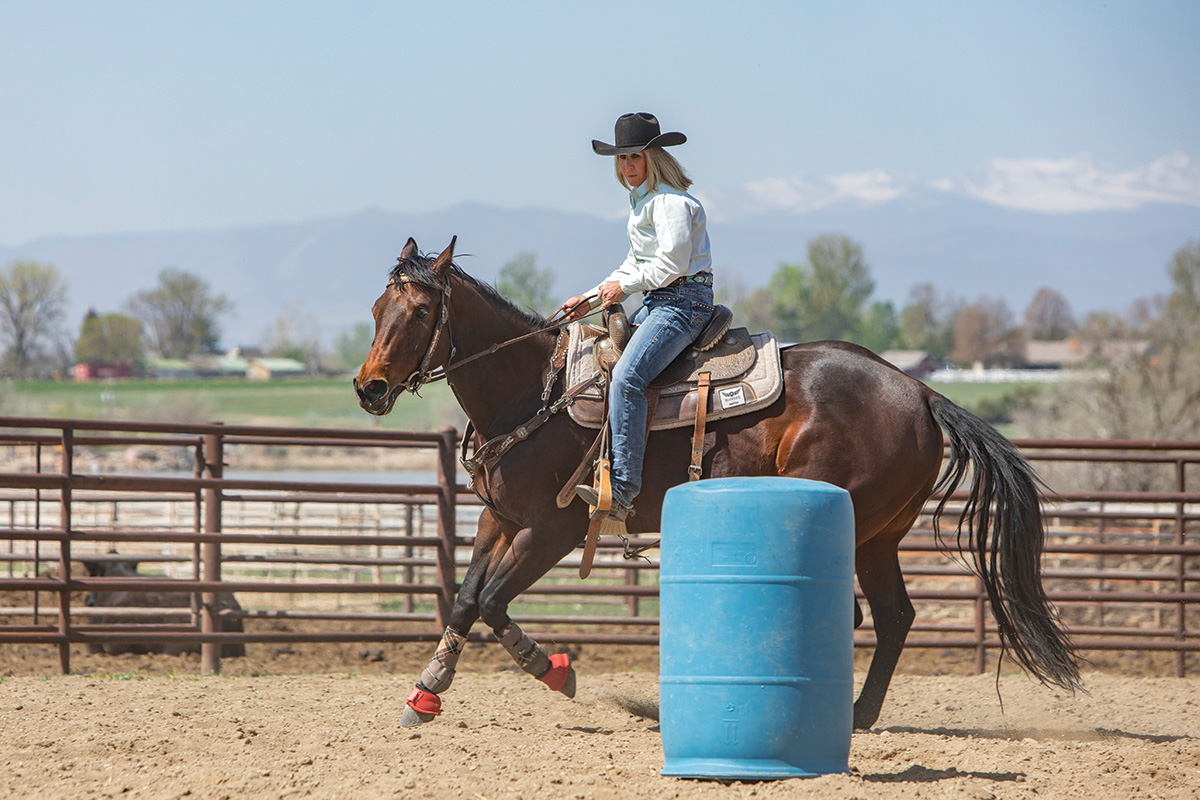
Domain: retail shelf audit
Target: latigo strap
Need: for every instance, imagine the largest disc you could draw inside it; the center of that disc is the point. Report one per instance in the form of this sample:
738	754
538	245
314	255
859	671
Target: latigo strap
703	383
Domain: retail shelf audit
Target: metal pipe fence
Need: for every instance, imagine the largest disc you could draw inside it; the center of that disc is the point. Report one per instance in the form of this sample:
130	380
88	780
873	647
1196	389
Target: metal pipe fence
379	561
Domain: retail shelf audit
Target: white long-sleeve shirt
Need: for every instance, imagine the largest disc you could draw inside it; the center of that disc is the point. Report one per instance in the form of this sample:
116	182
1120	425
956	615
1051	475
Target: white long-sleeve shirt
668	238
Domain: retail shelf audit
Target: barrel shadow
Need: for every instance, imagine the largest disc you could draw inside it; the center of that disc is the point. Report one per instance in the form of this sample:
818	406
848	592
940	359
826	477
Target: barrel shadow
919	774
1040	734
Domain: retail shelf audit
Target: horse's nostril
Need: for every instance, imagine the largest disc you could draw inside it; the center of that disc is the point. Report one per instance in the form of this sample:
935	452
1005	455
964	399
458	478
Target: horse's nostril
374	390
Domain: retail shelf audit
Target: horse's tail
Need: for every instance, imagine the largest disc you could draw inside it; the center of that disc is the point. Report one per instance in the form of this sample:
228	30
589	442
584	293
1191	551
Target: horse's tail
1005	536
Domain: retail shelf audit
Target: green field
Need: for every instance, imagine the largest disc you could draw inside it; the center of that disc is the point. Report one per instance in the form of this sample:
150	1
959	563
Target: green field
970	395
992	401
315	402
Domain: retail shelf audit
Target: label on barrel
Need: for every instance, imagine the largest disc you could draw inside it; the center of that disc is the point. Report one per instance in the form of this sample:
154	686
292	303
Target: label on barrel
734	554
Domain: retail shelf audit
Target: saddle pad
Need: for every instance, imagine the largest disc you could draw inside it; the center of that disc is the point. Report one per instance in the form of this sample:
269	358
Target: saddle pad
750	390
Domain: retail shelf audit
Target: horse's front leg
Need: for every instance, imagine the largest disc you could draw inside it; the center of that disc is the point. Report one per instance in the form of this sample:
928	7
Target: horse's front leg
533	553
425	703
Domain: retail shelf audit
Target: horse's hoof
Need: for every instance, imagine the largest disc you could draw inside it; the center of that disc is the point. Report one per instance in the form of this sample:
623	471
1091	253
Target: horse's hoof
411	718
568	687
864	721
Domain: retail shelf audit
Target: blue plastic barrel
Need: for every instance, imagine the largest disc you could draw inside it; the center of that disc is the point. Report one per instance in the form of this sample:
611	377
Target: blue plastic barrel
756	664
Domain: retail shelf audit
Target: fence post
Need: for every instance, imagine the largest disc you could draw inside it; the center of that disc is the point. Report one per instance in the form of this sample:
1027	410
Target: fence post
447	524
214	467
631	601
1180	539
64	552
408	554
980	627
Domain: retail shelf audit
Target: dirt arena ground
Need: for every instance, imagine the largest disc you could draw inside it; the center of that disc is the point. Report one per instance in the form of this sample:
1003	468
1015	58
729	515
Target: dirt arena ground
321	721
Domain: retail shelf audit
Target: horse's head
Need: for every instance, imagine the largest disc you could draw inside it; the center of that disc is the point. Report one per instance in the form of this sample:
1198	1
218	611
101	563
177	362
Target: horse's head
409	317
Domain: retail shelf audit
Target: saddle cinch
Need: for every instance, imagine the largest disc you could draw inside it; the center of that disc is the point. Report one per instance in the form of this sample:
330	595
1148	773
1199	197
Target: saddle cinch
743	370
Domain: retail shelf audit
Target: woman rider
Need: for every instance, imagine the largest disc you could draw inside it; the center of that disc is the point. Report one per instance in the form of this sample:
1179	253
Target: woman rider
669	260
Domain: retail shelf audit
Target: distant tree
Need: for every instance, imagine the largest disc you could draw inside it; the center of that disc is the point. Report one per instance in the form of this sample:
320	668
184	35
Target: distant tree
984	332
1048	316
927	321
296	334
823	299
1144	314
1102	326
180	314
109	339
351	346
838	290
756	312
32	301
521	281
1175	331
879	328
784	301
1184	270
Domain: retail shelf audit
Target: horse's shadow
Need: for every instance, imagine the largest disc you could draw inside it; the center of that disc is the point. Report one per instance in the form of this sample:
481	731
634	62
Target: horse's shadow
1041	734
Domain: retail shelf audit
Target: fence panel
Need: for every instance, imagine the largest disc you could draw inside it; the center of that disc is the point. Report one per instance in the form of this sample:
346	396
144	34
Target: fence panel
382	559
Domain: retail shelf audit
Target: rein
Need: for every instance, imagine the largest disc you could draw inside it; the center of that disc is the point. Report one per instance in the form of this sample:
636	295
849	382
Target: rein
552	325
423	375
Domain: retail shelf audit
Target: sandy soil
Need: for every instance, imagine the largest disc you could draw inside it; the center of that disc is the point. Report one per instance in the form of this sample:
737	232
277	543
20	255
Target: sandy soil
503	735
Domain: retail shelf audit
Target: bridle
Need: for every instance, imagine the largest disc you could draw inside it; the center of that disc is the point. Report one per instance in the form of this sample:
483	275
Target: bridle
423	374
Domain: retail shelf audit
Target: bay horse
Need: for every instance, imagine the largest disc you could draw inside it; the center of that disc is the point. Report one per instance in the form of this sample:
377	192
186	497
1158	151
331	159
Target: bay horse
845	416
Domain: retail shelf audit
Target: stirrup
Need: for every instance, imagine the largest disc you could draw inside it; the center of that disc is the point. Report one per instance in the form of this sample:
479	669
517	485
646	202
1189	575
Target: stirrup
589	495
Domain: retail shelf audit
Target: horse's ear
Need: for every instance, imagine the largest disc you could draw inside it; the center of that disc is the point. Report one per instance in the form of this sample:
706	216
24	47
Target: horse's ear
444	260
410	250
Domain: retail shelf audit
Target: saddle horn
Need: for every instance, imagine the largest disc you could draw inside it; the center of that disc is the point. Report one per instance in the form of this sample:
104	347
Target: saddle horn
619	329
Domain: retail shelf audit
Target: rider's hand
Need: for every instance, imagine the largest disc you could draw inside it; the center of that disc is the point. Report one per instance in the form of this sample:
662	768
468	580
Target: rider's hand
575	307
610	293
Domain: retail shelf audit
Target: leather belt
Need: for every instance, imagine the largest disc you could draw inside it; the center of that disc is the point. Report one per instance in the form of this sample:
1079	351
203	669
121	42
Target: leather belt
702	278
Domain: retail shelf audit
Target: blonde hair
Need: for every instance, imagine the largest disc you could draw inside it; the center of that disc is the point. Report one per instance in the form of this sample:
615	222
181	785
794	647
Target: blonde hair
661	167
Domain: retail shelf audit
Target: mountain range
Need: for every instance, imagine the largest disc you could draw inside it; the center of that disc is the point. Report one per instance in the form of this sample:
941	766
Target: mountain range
333	268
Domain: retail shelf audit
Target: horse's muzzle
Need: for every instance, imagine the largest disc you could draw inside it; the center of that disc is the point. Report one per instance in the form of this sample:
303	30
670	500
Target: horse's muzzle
375	397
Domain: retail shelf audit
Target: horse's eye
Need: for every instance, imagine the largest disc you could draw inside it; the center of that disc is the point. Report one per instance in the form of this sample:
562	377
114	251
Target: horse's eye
421	313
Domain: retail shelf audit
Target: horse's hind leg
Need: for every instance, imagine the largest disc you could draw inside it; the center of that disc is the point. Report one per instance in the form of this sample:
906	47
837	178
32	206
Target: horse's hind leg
878	568
424	703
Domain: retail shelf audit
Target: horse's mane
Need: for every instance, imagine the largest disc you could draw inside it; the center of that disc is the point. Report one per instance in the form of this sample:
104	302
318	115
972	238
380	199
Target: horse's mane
419	269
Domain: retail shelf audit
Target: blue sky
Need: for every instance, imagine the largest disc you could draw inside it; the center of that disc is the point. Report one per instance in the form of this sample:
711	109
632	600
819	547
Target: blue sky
145	116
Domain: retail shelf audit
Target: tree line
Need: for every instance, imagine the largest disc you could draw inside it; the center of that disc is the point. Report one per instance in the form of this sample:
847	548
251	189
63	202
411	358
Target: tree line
830	296
177	318
1152	393
827	296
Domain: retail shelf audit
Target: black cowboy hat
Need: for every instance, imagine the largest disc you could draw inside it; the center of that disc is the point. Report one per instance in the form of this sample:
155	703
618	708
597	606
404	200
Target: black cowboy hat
634	133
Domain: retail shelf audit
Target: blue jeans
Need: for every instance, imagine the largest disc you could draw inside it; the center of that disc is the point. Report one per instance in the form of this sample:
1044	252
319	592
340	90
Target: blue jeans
669	320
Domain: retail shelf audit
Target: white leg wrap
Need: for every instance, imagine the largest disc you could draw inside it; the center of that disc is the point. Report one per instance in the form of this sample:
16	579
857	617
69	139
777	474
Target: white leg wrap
439	673
528	654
